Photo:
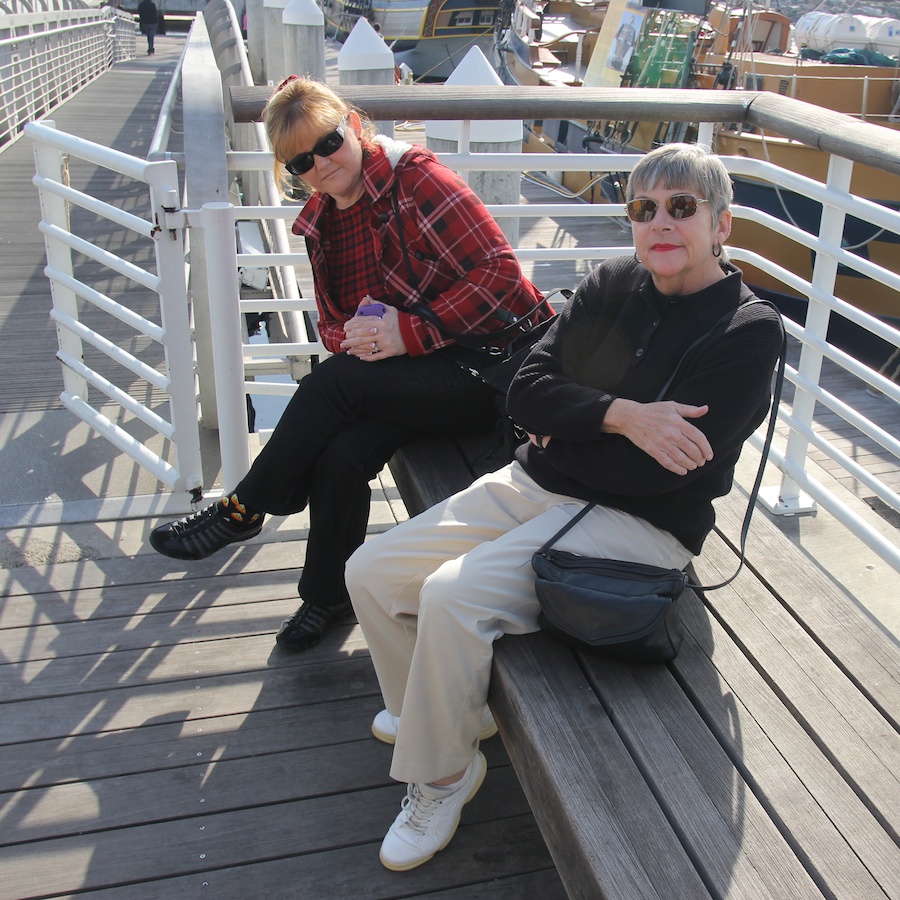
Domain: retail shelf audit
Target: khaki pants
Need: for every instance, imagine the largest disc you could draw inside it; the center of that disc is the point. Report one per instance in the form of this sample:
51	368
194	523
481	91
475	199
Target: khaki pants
433	594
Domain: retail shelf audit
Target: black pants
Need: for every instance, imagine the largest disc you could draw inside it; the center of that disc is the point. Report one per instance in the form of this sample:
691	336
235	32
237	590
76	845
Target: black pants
150	32
345	421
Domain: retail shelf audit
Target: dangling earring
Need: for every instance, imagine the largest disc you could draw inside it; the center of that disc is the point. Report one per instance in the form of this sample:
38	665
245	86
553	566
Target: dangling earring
637	259
717	250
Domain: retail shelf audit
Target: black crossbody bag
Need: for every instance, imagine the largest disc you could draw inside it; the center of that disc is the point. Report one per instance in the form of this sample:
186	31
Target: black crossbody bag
625	609
494	358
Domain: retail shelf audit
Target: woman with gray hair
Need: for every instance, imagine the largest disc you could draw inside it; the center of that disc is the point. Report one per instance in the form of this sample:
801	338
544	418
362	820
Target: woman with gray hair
433	594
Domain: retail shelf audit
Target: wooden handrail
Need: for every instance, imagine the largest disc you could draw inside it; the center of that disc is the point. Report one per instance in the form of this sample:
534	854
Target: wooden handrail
832	132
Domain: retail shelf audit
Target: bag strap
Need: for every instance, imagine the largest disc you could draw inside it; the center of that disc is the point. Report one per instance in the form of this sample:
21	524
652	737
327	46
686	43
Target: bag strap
522	324
751	503
568	526
727	317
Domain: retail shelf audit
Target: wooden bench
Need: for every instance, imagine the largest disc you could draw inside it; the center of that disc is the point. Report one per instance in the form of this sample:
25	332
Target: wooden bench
763	762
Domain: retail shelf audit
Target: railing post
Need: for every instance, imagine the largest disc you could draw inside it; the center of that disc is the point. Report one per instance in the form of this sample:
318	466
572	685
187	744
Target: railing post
206	181
274	40
304	39
175	320
497	136
49	164
790	500
366	59
705	134
256	39
228	353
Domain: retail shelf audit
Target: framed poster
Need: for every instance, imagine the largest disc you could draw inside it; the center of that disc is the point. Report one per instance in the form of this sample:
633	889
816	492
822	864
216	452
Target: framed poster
615	45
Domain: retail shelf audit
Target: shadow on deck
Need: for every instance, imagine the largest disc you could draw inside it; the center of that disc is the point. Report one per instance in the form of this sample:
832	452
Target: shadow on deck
156	745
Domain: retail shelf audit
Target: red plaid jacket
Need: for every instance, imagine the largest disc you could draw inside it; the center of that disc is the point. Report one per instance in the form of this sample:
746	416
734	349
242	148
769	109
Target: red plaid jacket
460	258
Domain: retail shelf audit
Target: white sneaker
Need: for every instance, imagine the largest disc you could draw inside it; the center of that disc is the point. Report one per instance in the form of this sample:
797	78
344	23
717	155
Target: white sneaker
384	726
428	819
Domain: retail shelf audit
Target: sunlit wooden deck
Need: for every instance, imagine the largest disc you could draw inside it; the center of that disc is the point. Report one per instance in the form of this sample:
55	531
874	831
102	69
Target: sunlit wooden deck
155	745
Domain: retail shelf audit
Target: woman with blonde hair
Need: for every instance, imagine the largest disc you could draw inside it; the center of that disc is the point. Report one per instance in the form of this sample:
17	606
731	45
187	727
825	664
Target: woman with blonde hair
407	263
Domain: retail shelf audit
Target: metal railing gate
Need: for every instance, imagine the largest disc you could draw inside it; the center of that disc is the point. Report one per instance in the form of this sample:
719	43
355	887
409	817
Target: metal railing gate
180	469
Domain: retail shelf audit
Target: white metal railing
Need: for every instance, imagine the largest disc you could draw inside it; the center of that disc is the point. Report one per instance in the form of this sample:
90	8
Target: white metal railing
215	222
49	56
258	185
790	496
54	151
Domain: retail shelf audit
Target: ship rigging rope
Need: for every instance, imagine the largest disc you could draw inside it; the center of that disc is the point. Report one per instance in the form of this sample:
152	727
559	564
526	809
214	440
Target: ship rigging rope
449	56
559	189
748	52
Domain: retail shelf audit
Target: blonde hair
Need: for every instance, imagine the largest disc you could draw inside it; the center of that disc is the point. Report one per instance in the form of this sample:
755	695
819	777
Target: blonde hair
302	106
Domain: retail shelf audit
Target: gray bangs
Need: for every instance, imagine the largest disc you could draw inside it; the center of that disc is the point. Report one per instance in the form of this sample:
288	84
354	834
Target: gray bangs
687	166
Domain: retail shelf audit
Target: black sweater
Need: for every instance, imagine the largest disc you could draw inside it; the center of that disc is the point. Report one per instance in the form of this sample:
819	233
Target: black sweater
619	337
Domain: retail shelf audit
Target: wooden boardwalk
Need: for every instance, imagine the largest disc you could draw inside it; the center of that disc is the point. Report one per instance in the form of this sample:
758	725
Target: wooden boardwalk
154	744
119	110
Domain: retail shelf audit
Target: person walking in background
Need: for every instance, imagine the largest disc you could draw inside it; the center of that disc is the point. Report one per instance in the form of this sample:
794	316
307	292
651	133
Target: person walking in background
149	22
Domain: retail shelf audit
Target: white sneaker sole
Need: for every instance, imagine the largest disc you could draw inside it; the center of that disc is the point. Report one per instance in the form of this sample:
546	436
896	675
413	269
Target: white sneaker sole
386	738
405	867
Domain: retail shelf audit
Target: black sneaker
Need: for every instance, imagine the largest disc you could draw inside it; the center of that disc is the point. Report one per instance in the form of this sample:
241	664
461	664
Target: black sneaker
203	533
306	627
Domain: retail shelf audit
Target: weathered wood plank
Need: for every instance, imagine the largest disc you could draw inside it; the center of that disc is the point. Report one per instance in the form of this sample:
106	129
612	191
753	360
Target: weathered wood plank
851	732
152	746
601	822
79	584
323	678
158	665
430	469
444	101
841	743
515	845
808	798
144	798
32	645
203	843
830	131
427	471
857	645
728	835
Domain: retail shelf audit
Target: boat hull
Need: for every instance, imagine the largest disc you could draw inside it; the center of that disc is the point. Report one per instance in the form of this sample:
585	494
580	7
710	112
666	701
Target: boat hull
436	58
868	241
429	36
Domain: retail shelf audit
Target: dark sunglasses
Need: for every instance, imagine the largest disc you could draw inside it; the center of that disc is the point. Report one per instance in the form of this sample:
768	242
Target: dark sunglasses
327	145
678	206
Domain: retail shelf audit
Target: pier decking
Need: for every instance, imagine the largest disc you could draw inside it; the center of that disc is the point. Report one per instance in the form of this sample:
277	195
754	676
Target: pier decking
153	743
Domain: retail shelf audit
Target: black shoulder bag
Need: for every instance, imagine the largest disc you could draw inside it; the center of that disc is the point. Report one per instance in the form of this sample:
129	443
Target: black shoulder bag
625	609
498	355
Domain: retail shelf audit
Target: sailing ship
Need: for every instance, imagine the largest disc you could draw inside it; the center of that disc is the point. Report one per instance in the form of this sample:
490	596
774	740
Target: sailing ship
729	49
428	36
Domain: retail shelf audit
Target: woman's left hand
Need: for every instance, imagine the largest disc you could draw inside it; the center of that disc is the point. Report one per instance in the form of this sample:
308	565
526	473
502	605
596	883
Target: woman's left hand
371	338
